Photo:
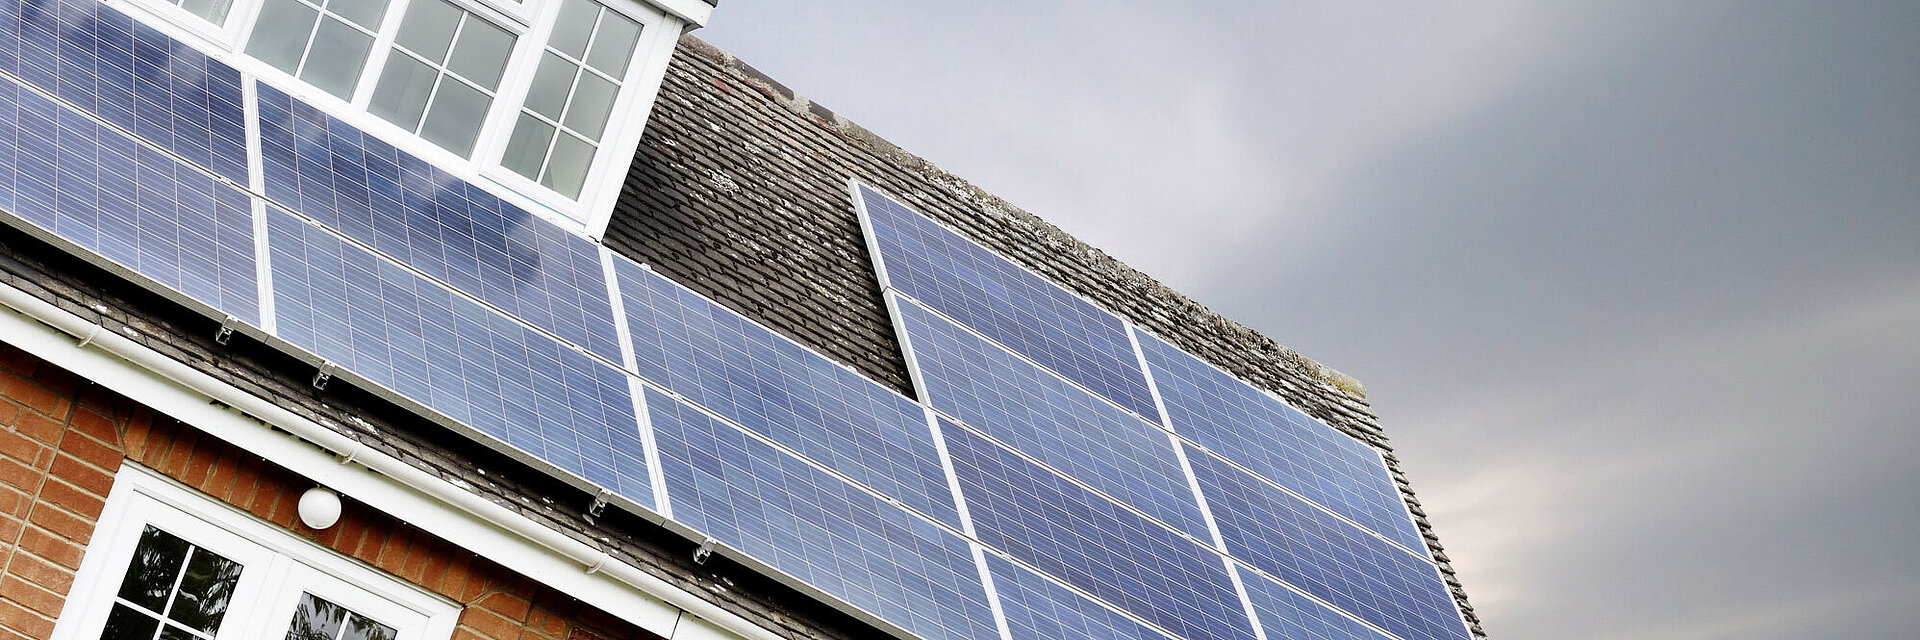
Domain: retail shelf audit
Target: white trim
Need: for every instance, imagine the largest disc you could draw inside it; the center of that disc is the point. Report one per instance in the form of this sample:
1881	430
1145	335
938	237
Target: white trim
384	483
277	566
696	12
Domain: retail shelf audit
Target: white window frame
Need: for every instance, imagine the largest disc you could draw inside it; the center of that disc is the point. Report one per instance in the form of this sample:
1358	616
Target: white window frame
278	567
531	22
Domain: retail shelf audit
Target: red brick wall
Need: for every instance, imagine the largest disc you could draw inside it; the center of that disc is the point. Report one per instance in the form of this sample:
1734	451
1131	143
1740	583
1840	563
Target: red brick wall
62	438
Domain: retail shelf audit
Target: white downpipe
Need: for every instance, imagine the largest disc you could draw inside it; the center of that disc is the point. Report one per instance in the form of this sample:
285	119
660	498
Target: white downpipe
590	560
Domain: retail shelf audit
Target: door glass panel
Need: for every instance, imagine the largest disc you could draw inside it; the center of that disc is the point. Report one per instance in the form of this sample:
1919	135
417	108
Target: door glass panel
318	619
156	562
126	624
174	587
205	587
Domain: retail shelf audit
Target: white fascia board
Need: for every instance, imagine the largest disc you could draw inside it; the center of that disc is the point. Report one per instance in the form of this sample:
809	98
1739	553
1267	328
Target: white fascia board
389	485
695	12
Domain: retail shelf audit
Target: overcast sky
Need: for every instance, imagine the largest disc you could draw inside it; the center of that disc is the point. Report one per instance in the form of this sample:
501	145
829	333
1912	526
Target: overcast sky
1634	287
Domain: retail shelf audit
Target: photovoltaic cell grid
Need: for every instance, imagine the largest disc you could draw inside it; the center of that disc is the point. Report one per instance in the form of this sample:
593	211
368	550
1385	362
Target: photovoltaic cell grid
376	319
819	529
1249	427
1092	543
368	190
129	74
1041	415
1015	307
1041	609
1331	559
125	201
1289	615
783	391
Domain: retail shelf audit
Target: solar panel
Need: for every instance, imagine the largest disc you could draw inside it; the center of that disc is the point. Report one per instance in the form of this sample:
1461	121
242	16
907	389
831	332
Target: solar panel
1094	544
1285	614
1331	559
1011	305
824	531
451	230
1041	415
128	74
127	202
419	339
783	391
1247	426
1038	608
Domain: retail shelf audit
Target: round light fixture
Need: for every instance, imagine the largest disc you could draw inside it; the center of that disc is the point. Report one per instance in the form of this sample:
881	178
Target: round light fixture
319	507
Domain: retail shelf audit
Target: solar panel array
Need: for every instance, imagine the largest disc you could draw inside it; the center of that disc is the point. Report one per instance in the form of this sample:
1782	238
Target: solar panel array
1262	433
1054	500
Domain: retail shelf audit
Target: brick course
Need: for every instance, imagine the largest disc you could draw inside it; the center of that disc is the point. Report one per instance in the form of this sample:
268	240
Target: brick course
62	438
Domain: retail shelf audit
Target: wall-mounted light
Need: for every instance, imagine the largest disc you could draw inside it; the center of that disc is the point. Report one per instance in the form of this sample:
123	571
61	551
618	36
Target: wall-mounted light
319	507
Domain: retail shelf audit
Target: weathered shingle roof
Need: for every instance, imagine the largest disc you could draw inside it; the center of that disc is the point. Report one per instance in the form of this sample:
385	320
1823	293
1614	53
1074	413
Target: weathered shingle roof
739	192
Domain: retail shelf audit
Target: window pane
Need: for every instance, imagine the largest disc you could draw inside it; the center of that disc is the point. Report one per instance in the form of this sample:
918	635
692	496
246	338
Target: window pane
481	55
551	82
613	45
454	119
280	33
366	13
124	623
156	563
170	632
573	28
339	52
315	619
568	168
360	627
592	101
428	28
405	85
205	588
215	11
527	149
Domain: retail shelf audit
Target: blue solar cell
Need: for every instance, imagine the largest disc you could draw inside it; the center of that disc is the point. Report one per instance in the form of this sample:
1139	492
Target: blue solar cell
822	530
1015	307
457	233
1040	609
415	337
131	75
1043	416
1247	426
97	188
1331	559
784	391
1289	615
1094	544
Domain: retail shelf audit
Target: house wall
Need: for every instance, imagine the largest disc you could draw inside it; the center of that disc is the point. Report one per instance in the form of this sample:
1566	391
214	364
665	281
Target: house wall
62	438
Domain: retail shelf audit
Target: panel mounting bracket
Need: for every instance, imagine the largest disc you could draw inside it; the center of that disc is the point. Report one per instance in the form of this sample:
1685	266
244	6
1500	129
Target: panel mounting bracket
225	334
705	550
599	505
324	375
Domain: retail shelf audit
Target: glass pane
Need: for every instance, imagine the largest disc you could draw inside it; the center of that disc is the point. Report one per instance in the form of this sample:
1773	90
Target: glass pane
574	26
156	562
124	623
454	119
551	83
280	33
204	591
592	101
360	627
170	632
404	87
613	45
428	28
481	55
215	11
568	168
366	13
315	619
339	52
527	149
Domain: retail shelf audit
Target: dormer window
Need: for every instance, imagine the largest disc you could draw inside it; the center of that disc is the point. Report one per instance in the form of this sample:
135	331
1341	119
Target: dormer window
534	100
